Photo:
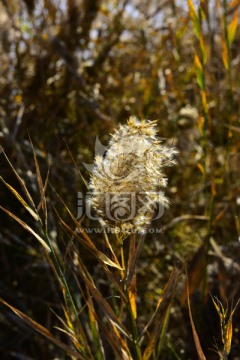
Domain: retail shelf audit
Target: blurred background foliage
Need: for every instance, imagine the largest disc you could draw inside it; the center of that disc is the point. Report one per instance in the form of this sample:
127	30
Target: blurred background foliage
74	69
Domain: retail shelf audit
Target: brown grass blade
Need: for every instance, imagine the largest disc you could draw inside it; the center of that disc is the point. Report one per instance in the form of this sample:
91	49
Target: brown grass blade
96	253
133	260
196	270
88	242
43	331
20	199
115	340
160	314
76	166
42	204
232	28
105	307
132	290
113	336
194	18
91	247
201	355
20	180
28	228
109	246
226	323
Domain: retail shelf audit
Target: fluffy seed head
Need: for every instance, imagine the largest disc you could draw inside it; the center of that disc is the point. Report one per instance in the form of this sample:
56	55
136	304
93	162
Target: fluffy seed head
127	180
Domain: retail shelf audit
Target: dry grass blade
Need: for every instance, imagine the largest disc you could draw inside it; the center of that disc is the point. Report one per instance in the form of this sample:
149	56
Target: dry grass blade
42	188
196	270
164	330
79	172
226	323
232	28
69	330
88	242
132	291
21	200
115	340
134	259
42	330
95	332
201	355
93	318
28	228
20	180
91	248
105	307
160	314
109	247
194	18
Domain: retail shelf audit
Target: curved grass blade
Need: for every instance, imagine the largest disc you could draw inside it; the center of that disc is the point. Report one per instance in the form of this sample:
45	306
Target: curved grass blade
20	180
28	228
160	314
20	199
201	355
42	330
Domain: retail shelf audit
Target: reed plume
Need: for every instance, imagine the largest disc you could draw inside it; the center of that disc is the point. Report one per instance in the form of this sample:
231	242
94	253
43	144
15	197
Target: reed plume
127	181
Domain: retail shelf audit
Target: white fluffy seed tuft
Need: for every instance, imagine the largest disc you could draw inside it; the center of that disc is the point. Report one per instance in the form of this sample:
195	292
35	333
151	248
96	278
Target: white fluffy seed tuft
127	181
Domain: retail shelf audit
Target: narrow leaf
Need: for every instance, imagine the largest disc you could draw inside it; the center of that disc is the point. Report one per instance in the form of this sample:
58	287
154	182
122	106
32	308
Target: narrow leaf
21	200
197	63
20	180
28	228
132	291
225	56
42	330
232	28
194	18
88	241
201	355
108	261
203	49
160	314
91	247
106	308
42	203
228	336
134	259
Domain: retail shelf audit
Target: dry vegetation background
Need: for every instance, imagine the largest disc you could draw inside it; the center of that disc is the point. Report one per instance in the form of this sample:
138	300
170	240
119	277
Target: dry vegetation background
72	70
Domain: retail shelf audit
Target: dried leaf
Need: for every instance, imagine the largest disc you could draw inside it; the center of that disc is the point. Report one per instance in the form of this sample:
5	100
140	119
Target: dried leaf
203	49
160	314
20	180
196	270
225	56
194	18
228	335
21	200
42	330
132	291
133	259
106	308
42	203
201	355
28	228
197	63
201	168
88	242
232	28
